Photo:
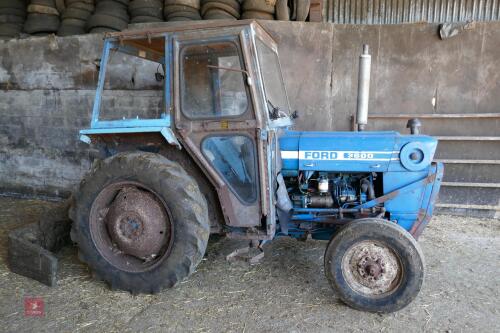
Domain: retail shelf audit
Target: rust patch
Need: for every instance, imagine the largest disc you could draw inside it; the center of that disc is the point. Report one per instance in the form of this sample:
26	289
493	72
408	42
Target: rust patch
136	223
422	213
87	77
387	197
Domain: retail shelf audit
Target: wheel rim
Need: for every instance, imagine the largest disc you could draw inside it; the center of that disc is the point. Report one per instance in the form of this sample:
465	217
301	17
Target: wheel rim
372	268
131	226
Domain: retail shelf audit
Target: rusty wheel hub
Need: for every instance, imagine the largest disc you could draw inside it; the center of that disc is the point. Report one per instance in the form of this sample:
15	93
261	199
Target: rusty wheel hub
131	226
367	267
371	268
136	223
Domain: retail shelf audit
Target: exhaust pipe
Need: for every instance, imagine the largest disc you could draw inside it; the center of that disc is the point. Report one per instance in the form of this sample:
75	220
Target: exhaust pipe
365	63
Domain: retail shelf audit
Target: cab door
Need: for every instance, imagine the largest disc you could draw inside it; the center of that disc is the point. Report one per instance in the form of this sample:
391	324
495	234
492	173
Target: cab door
216	120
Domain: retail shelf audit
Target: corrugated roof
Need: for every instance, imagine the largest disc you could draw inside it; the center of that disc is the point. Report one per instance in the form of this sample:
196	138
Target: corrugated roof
411	11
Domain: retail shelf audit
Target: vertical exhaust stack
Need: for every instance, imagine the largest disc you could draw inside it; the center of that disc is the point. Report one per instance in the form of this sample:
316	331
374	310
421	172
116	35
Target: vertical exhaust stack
365	64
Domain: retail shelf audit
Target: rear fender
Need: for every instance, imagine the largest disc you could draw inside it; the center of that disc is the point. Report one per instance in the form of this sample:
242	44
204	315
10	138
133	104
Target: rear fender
108	144
167	133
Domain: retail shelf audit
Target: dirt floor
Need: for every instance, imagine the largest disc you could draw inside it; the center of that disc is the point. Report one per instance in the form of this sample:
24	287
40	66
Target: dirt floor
287	292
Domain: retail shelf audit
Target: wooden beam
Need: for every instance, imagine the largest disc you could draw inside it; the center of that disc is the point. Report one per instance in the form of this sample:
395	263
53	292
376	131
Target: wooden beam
450	161
463	206
316	11
435	116
468	138
465	184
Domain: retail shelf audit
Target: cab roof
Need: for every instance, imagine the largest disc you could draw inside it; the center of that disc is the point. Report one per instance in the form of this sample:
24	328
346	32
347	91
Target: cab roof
151	38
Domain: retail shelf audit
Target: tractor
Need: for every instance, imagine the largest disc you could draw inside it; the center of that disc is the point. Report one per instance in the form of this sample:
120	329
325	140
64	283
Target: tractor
218	155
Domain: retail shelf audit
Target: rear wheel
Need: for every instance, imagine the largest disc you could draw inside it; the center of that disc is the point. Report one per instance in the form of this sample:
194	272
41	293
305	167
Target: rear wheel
374	265
140	221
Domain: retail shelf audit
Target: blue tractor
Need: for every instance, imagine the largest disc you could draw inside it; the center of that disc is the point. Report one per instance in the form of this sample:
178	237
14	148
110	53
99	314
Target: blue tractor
218	155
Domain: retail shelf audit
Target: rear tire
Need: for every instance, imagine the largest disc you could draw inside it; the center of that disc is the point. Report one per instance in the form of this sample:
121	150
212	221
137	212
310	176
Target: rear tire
114	258
374	265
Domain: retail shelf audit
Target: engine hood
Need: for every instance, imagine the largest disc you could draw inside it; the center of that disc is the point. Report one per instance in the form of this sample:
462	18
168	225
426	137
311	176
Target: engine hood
356	151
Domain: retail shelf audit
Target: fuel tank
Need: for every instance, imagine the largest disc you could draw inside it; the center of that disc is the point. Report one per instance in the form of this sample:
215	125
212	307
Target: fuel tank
355	151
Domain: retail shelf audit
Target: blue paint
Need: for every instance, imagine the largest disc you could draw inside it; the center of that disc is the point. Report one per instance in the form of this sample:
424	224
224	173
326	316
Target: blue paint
338	151
85	138
132	123
430	198
409	179
100	82
115	130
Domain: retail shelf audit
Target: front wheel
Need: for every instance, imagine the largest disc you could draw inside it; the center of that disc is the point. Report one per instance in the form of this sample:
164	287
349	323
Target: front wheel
374	265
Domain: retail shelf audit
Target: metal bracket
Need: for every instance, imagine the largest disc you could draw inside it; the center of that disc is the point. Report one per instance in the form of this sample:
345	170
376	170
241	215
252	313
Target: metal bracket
243	254
239	255
85	138
166	132
391	195
170	137
263	135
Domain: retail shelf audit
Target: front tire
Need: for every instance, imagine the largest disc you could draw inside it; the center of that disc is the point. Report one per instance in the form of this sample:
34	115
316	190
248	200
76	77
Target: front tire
374	265
140	222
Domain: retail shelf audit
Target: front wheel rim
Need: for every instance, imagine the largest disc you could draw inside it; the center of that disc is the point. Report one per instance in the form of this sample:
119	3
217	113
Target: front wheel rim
372	269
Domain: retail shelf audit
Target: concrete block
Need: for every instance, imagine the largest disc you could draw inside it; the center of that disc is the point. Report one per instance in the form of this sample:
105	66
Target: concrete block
26	257
30	248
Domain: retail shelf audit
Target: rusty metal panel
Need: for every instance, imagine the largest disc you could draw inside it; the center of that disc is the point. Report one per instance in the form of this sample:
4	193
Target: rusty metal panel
411	11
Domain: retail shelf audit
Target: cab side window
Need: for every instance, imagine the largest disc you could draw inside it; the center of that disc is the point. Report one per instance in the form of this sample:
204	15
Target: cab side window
213	84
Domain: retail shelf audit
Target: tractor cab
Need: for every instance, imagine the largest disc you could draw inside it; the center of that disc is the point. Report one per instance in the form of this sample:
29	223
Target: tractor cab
224	100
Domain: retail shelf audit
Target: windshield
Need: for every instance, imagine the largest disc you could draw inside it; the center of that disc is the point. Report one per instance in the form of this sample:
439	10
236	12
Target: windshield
274	87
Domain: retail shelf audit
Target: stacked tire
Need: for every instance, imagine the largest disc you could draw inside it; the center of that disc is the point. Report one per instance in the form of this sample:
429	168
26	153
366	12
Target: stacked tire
282	10
145	11
61	5
220	9
109	16
300	10
259	9
75	17
43	18
12	17
182	10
